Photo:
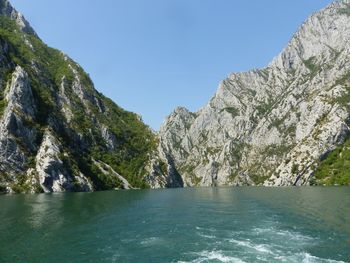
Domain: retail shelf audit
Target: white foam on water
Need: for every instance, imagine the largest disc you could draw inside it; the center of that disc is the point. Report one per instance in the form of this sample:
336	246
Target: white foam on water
306	258
312	259
206	229
262	248
269	253
204	256
283	233
150	241
206	236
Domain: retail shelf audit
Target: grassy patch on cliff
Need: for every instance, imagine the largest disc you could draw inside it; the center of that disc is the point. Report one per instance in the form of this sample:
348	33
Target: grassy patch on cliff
335	168
312	66
233	111
2	105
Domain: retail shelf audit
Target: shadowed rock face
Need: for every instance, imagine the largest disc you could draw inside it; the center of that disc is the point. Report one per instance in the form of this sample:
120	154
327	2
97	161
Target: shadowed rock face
55	127
270	126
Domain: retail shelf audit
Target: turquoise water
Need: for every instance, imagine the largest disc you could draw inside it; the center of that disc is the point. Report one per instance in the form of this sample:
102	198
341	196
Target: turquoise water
179	225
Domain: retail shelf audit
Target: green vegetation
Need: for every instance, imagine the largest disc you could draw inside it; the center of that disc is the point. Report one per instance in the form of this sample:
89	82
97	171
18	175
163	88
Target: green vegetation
7	74
233	111
81	138
345	11
2	189
264	73
188	171
259	172
235	156
295	168
2	104
266	107
334	169
276	149
163	167
20	186
344	100
312	66
231	178
276	123
258	179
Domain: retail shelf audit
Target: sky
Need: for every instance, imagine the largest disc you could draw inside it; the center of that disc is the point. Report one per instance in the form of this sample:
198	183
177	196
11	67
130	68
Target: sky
152	56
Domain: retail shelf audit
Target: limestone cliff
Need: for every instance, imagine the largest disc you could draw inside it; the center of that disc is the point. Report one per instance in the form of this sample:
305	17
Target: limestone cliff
269	126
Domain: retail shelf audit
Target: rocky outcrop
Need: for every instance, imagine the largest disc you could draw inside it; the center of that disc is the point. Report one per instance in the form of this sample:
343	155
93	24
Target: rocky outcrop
53	169
270	126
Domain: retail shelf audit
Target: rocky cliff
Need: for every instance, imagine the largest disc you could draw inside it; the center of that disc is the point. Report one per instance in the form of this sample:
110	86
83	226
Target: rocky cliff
270	126
57	133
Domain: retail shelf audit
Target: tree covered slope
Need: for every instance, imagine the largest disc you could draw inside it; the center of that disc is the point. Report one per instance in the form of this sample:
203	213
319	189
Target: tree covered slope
57	133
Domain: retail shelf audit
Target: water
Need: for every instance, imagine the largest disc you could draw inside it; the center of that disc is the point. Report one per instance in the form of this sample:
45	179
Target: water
180	225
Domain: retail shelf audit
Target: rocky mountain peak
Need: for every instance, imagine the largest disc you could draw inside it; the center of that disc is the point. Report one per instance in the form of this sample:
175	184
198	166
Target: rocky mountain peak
320	36
7	10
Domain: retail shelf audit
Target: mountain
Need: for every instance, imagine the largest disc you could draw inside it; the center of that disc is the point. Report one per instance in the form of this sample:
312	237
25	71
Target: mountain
286	124
57	133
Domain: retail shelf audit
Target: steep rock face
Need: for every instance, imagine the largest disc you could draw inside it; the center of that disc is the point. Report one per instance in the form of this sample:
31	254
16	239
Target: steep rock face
270	126
19	110
57	133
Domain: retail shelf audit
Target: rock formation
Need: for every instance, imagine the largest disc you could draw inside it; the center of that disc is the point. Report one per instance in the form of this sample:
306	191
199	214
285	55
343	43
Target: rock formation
270	126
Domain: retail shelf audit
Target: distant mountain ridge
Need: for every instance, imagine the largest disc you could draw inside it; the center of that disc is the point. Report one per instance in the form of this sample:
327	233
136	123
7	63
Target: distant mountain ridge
274	126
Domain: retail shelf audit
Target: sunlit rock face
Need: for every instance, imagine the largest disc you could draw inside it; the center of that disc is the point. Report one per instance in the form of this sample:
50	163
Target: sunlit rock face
269	126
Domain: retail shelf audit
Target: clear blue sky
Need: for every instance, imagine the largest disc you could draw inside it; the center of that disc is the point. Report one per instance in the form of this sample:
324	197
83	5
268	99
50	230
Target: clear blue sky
151	56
